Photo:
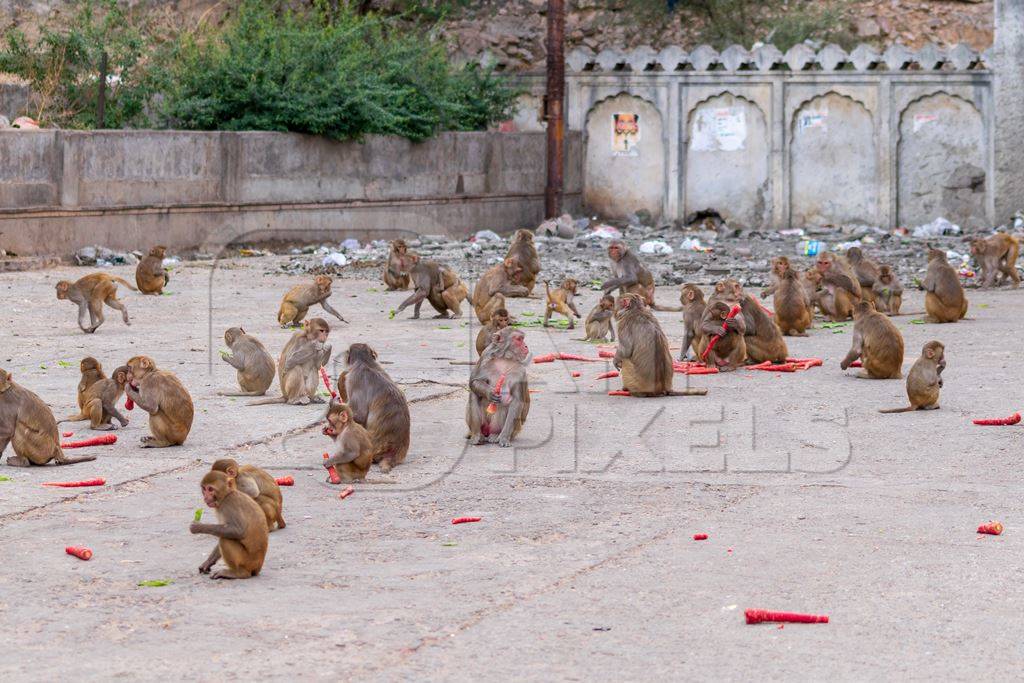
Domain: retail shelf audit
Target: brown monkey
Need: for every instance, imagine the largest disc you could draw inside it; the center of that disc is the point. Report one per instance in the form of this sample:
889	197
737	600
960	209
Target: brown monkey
841	288
642	355
258	485
763	337
164	397
810	280
499	281
300	298
242	531
730	351
524	250
90	293
888	291
434	283
561	301
298	366
630	276
780	264
925	379
92	372
28	425
500	319
394	278
504	362
792	306
944	298
150	275
831	265
997	256
865	271
377	404
599	321
692	299
100	402
254	365
877	342
353	452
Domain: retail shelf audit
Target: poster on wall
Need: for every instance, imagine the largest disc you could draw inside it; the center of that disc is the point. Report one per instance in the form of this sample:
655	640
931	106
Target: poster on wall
719	129
922	120
813	119
625	135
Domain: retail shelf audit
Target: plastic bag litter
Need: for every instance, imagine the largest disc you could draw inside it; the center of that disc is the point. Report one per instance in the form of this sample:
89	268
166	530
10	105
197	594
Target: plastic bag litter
170	261
1018	220
843	246
793	232
604	232
692	244
938	227
335	259
655	247
487	236
350	244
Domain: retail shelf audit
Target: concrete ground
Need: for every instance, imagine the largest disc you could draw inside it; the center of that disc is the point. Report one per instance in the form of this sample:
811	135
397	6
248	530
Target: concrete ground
583	567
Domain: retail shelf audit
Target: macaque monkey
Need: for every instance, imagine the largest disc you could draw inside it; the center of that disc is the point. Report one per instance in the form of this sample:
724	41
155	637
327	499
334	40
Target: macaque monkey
258	485
28	425
352	453
692	299
253	363
500	319
377	404
99	404
92	372
810	280
877	342
842	289
561	301
432	282
300	298
90	293
764	338
150	275
298	366
996	256
865	272
505	360
394	278
241	533
730	351
642	356
524	250
501	280
780	264
888	291
599	321
792	305
829	263
164	397
944	298
925	379
630	276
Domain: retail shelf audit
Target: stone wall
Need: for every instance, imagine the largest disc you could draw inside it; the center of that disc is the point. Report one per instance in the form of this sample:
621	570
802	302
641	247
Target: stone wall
61	190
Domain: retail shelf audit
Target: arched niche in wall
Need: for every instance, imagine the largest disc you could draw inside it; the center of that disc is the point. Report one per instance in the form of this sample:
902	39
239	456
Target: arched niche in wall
941	162
624	169
727	165
833	163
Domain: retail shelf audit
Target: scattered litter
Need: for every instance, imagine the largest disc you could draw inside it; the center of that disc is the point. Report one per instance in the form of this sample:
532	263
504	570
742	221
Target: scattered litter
102	256
487	236
335	259
656	247
844	246
999	421
465	520
693	244
991	528
812	247
564	226
756	616
350	244
99	481
81	552
25	123
792	232
604	232
938	227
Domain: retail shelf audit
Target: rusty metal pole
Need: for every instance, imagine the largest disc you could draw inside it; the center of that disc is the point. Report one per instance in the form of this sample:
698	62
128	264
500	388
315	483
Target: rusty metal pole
101	93
554	102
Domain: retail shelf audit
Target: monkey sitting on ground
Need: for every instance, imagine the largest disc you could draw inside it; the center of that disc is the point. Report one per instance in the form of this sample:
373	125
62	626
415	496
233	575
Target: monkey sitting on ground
377	404
298	366
432	282
99	404
258	485
996	256
90	293
92	372
499	281
254	365
599	321
792	306
394	278
865	272
925	379
300	298
780	264
164	397
241	533
28	425
642	355
730	351
561	301
763	337
877	342
352	452
692	299
500	319
504	363
841	288
888	291
944	298
524	251
630	276
150	275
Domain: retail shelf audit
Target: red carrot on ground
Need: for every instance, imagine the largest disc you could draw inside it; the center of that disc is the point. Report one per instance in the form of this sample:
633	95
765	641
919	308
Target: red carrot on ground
576	374
285	481
99	481
700	537
102	440
346	492
619	392
465	520
604	353
81	552
993	528
549	358
608	375
335	479
756	616
999	421
67	435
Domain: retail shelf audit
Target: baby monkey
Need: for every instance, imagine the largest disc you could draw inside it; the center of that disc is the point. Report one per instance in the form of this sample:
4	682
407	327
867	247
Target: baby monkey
599	321
925	379
560	301
730	351
500	319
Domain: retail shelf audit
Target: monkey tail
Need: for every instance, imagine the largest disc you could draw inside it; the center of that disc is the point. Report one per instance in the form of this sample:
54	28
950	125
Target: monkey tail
124	282
66	460
689	391
241	393
897	410
666	309
267	401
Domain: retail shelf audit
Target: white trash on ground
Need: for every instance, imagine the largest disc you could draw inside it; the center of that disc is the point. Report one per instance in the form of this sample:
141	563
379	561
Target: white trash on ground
938	227
604	232
843	246
655	247
487	236
335	259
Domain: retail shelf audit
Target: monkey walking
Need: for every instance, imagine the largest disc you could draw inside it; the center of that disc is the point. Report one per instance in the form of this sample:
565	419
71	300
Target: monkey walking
924	379
90	293
561	301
